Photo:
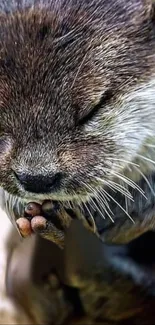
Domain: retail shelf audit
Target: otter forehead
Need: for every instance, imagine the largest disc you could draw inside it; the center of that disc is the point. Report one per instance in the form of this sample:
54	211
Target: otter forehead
58	58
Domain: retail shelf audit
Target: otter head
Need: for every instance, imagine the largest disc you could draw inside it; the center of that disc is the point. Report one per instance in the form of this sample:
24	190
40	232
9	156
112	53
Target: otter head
74	87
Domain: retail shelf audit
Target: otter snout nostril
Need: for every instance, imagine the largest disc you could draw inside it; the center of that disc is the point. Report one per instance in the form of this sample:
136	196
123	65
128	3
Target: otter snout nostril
39	183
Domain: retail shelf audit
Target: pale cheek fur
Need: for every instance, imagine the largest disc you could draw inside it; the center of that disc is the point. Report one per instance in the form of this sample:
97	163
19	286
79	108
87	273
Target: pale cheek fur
131	123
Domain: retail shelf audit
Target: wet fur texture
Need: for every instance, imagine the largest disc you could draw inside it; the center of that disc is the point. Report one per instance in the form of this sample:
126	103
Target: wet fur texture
48	85
59	62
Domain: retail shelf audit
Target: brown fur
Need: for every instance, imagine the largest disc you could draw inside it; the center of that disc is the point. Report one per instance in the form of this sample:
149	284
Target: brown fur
60	61
48	81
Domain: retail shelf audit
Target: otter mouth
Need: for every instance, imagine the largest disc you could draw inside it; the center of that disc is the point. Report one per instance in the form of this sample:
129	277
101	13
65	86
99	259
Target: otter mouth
54	215
94	212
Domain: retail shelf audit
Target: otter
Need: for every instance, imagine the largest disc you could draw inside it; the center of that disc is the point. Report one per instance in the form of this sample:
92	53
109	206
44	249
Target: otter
77	117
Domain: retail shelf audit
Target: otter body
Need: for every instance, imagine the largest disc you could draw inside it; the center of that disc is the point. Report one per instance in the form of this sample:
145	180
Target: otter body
77	98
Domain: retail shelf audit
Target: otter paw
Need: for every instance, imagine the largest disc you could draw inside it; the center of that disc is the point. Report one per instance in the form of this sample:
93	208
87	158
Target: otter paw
24	227
48	220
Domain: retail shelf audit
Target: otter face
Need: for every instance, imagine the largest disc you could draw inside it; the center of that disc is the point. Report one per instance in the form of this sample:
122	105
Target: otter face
74	81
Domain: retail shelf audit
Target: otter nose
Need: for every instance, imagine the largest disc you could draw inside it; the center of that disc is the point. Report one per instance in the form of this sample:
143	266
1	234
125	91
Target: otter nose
39	183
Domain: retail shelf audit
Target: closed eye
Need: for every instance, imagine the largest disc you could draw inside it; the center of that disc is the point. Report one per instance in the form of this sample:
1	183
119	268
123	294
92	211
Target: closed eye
103	100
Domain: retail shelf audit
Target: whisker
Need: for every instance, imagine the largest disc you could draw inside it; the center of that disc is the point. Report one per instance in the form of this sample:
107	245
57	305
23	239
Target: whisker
122	189
91	216
105	209
76	75
146	180
116	186
126	200
69	204
146	158
106	193
91	199
125	161
103	205
128	181
98	209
